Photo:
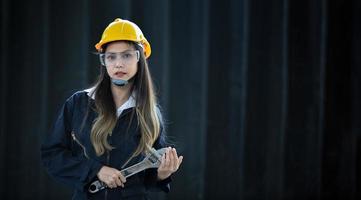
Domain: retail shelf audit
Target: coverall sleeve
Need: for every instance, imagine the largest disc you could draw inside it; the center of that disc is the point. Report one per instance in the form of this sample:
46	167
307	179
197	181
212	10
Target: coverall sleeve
56	155
151	175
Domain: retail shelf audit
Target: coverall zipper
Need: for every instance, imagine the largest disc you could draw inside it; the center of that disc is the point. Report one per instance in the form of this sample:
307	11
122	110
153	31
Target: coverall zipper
80	144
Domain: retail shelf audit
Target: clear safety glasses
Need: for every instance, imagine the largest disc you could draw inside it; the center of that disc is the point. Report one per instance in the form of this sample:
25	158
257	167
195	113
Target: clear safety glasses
111	59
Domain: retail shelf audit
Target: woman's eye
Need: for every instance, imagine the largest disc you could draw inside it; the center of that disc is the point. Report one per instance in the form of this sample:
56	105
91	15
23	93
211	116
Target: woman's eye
127	55
111	57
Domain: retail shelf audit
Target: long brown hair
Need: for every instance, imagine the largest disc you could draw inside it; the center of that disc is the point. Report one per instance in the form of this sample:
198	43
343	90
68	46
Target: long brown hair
146	108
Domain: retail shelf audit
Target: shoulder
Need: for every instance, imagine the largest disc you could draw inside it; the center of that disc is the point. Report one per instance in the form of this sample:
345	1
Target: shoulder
80	97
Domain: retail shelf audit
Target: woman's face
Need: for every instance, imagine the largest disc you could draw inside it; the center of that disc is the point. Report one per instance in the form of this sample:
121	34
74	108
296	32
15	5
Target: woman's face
121	60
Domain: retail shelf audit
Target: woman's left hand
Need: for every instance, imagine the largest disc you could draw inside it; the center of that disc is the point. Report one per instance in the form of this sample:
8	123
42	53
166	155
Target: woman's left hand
170	163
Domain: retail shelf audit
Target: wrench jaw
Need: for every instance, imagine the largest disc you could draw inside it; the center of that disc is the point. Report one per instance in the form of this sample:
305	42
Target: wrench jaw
96	186
160	152
154	157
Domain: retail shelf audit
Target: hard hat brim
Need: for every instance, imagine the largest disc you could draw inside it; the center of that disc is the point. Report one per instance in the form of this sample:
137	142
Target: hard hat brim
145	45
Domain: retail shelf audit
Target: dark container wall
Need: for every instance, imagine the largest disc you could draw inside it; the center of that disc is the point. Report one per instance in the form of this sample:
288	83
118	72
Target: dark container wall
261	97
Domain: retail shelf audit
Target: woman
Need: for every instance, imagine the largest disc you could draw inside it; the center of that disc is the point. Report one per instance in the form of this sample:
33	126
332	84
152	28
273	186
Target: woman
112	125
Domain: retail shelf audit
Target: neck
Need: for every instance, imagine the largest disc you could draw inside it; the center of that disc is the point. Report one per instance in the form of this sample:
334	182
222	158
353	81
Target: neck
120	94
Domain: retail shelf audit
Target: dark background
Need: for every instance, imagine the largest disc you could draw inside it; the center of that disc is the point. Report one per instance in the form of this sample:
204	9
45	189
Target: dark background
261	97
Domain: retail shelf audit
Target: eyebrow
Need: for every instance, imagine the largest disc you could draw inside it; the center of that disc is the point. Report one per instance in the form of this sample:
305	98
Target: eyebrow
121	51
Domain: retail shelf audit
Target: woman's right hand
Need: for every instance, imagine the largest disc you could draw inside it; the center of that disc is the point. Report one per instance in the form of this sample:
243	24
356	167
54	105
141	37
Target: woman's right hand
111	177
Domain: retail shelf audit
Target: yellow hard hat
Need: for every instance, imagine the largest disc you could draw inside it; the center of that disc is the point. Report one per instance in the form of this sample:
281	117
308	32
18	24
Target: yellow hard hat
124	30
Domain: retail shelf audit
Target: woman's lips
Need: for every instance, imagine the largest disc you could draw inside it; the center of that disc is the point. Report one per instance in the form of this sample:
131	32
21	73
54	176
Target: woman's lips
120	74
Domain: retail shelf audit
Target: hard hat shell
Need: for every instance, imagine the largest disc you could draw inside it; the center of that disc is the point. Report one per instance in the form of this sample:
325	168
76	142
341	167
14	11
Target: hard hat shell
121	29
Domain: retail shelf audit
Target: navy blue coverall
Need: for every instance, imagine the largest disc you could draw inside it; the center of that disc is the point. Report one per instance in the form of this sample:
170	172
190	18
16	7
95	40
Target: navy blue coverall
69	157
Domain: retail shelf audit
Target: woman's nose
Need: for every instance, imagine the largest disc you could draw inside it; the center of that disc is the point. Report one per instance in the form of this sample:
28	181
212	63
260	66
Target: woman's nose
119	63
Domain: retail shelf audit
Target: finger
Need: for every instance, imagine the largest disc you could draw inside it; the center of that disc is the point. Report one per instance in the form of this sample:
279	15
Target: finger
162	162
114	181
175	151
121	183
110	184
121	177
167	161
110	180
174	160
117	181
180	160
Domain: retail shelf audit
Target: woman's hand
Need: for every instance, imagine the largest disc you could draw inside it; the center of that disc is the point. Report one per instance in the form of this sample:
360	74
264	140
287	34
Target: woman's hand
111	177
170	163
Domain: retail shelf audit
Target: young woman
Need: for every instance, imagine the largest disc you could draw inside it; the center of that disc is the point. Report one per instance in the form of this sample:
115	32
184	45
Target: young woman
112	125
